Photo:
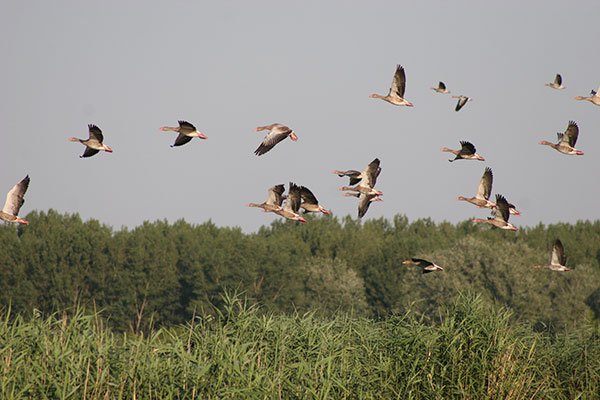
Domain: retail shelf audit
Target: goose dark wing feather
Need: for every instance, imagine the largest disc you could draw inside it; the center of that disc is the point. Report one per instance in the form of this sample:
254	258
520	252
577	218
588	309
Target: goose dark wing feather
467	148
89	152
399	81
181	140
95	133
572	133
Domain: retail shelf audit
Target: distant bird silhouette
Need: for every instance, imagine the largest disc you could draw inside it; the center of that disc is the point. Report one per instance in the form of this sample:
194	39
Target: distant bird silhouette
186	131
426	266
462	100
14	200
557	84
441	88
93	144
558	260
566	141
396	94
277	133
467	152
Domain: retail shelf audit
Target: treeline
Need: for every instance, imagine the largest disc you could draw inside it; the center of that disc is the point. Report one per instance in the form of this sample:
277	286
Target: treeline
164	274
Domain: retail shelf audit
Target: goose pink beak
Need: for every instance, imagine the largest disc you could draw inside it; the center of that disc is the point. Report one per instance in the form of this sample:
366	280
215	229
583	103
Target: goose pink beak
108	149
202	135
293	136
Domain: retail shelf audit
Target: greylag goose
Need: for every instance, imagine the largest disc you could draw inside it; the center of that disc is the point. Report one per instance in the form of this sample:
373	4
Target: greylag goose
557	84
277	133
462	100
566	141
292	205
484	190
93	144
501	215
557	259
441	88
274	199
396	94
186	131
426	266
368	179
14	201
593	98
364	201
310	202
467	152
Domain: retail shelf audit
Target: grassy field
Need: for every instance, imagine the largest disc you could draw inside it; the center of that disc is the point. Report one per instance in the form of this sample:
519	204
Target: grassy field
471	352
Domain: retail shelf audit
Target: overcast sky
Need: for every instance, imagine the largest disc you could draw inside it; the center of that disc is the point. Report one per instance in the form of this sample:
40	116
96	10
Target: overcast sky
131	67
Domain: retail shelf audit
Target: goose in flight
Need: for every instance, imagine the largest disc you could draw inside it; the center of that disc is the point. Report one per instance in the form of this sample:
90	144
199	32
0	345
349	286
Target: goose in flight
558	260
292	204
310	202
557	84
467	152
396	94
93	144
14	201
426	266
593	98
484	190
566	141
441	88
277	133
368	179
364	201
462	100
501	215
274	199
186	131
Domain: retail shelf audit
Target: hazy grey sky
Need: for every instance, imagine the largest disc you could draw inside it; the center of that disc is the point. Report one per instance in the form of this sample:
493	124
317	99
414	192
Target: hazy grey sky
131	67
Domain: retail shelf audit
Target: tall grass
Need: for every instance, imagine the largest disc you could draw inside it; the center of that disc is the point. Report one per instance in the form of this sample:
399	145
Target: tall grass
472	352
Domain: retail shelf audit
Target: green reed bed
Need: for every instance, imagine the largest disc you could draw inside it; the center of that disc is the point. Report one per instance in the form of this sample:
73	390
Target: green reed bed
471	352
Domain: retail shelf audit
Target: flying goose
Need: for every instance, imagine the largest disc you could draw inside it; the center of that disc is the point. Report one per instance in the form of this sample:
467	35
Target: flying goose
557	259
467	152
274	200
566	141
501	215
277	133
396	94
427	266
557	84
14	201
368	179
310	202
93	144
186	131
441	88
462	100
292	204
364	201
593	98
484	190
